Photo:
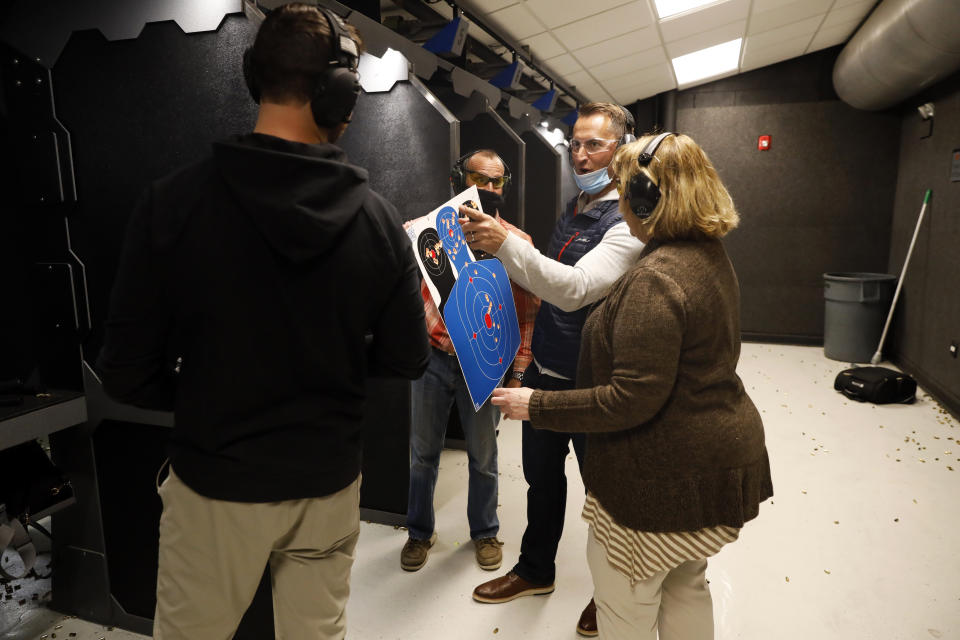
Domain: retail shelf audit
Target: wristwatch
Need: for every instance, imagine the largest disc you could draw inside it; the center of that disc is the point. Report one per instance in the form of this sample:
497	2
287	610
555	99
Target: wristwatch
517	375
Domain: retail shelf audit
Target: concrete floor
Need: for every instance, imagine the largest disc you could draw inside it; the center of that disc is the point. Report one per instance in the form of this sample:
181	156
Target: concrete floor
859	540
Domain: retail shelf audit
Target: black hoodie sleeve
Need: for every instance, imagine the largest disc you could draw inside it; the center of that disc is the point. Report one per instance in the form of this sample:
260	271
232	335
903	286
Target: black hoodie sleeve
131	362
401	347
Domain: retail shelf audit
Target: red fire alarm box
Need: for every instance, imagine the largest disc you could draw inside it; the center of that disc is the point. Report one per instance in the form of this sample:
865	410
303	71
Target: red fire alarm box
763	143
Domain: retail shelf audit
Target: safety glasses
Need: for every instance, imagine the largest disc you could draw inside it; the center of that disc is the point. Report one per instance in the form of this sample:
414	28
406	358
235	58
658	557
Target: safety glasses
481	179
591	146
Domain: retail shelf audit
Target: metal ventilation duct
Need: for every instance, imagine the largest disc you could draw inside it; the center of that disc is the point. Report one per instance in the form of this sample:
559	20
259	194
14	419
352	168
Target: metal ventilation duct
903	47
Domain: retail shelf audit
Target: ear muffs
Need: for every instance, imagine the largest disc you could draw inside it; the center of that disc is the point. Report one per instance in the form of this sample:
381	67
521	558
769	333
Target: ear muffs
643	192
458	174
629	126
337	88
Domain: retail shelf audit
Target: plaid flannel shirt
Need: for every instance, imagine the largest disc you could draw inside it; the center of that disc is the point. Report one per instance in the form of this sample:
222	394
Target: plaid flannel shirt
527	306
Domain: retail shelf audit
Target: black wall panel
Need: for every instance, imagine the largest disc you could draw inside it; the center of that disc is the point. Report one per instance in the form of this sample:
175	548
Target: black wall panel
927	318
819	200
543	193
404	142
138	110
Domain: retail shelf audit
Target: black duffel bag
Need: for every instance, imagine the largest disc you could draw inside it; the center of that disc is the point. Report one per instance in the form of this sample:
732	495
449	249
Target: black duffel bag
876	384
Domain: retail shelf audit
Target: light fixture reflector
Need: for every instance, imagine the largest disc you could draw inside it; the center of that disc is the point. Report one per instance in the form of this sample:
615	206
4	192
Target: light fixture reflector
708	62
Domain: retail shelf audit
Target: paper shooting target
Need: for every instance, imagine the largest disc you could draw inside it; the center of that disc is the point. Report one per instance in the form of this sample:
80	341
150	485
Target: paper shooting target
482	322
451	234
435	263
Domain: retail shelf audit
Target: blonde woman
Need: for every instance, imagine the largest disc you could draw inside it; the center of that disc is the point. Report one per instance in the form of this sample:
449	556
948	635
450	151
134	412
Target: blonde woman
676	461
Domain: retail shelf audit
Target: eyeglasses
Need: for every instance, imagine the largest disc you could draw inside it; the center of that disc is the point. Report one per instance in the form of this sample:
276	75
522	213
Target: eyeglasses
481	179
592	146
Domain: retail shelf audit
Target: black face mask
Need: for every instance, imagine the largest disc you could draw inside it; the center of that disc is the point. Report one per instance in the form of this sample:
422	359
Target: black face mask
490	201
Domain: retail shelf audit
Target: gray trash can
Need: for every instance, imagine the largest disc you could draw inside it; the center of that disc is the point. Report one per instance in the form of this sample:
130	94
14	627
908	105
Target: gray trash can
856	309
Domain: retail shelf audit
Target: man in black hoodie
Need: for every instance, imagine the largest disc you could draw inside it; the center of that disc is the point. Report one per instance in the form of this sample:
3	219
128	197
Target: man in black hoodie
257	291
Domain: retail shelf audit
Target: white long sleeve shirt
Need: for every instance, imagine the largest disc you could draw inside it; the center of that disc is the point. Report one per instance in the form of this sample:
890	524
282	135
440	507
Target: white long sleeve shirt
570	287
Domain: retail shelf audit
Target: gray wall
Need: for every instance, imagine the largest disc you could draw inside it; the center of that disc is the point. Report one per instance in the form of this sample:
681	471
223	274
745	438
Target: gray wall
821	199
927	319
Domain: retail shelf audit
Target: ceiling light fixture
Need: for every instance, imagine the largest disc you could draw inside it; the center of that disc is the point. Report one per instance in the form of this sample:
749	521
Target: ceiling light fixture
708	62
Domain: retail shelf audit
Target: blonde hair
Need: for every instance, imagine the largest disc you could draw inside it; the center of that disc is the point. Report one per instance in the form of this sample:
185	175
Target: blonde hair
694	204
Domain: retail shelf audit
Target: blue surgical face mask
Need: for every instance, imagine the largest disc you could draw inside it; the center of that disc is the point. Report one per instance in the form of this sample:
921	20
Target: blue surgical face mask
593	182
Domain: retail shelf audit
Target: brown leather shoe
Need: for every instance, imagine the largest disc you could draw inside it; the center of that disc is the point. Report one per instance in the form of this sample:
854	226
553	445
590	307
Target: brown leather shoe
507	588
587	625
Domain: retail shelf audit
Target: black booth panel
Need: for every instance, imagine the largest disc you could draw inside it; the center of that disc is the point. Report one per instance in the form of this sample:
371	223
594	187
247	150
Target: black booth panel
568	186
138	110
486	131
130	509
405	144
543	176
481	129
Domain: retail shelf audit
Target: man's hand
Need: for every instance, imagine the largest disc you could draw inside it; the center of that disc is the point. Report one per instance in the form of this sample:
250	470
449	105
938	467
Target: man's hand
513	384
514	403
482	232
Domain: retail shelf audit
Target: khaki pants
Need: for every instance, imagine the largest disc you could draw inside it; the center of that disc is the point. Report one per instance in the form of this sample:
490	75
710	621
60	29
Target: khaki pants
213	552
675	602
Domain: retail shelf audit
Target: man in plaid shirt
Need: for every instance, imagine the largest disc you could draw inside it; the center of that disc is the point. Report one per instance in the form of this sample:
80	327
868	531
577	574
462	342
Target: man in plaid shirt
443	384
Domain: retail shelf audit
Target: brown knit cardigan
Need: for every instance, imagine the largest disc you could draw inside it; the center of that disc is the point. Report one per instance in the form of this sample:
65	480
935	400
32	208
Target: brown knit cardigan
674	443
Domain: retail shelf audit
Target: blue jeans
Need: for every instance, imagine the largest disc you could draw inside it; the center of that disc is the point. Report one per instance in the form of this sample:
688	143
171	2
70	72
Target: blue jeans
544	459
433	395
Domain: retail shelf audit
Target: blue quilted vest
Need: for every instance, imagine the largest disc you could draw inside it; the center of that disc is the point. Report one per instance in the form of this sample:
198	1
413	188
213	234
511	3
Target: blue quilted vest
556	334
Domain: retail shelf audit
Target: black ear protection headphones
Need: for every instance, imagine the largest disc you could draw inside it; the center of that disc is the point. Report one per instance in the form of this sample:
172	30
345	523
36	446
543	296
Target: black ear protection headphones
643	192
630	126
458	175
337	86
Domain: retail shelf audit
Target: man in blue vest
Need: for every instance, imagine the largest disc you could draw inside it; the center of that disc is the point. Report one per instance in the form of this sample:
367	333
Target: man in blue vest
591	248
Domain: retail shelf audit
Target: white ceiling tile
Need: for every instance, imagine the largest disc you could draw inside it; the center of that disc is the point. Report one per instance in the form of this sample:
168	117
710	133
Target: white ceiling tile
544	46
579	77
759	54
483	7
554	13
694	22
831	36
804	28
630	63
754	57
592	90
846	3
768	5
563	64
848	13
719	35
625	45
652	88
516	22
603	26
636	78
793	12
596	93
